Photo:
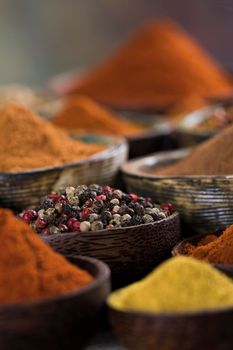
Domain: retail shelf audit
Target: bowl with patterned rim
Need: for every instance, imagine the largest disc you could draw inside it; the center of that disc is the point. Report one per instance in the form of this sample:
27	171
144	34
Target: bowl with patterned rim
205	203
19	190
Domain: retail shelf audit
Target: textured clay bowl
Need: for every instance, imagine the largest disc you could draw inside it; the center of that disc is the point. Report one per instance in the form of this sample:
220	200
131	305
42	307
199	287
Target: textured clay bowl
61	322
186	331
19	190
205	203
179	249
130	252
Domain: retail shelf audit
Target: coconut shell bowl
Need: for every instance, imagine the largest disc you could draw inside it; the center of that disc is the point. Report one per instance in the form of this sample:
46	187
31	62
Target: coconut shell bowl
60	322
205	203
186	331
180	249
19	190
130	252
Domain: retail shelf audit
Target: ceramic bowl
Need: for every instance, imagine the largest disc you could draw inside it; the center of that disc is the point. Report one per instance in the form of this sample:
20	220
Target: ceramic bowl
205	203
179	249
186	331
19	190
130	252
60	322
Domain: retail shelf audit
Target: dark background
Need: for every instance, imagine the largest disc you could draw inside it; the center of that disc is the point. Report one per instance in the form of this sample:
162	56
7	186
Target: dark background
40	38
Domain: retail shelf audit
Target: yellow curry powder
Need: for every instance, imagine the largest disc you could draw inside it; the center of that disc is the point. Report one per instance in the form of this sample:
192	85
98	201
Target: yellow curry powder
179	284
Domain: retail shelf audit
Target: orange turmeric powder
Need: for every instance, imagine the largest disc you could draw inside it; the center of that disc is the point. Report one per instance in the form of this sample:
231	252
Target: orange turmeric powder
80	113
155	68
27	141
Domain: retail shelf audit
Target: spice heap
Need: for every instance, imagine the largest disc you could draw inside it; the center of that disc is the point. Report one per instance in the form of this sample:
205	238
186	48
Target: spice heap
212	157
27	141
213	249
180	284
155	68
80	113
29	268
93	208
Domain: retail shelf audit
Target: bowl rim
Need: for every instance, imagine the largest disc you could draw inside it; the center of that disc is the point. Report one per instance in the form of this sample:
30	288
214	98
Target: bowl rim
131	168
174	215
115	143
169	315
205	110
103	274
175	249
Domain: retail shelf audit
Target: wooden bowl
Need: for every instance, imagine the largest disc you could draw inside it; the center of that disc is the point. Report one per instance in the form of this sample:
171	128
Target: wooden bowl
205	203
183	331
130	252
60	322
19	190
179	249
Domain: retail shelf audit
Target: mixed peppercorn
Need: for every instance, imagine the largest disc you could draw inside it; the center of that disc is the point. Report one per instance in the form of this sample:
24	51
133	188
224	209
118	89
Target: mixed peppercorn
92	208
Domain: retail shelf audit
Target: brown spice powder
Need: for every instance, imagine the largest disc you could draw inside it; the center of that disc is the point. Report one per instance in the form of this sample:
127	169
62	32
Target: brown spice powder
27	141
212	157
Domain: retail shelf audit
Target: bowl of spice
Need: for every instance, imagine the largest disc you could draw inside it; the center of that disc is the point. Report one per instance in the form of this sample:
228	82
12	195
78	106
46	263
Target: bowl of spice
214	248
152	70
46	301
82	115
37	157
198	182
183	304
203	123
130	233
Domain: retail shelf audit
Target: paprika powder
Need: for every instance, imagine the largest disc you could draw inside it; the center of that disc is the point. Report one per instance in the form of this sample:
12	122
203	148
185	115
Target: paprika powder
29	268
154	69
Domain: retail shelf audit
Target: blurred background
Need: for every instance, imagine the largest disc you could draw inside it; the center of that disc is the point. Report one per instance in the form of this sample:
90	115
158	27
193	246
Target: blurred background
39	39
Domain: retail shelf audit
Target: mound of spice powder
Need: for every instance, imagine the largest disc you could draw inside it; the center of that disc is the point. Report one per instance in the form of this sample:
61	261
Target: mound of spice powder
212	157
82	114
178	285
93	208
215	250
156	67
27	141
188	104
29	268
